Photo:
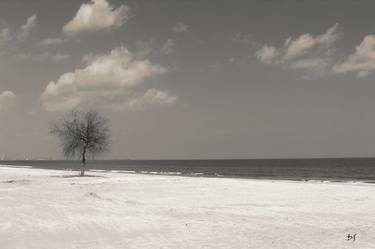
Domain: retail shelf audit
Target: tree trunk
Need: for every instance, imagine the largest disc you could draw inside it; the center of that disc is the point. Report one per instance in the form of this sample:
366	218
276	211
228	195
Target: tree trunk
83	162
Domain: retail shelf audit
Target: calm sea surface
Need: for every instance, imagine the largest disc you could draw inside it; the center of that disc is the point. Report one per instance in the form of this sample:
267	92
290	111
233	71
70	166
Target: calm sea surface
340	169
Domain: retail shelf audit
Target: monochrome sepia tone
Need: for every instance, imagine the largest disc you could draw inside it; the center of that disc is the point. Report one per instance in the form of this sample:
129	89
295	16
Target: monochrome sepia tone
128	124
82	134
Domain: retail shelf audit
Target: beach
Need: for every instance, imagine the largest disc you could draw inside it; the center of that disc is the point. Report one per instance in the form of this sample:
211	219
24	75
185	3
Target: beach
42	208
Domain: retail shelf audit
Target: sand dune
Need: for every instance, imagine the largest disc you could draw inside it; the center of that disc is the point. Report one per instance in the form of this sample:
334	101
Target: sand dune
50	209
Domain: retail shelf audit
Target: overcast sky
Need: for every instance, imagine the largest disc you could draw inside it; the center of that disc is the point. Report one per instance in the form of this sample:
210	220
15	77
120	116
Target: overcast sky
191	78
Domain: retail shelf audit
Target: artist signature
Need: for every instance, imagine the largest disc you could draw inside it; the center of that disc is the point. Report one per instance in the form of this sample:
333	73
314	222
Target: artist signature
351	237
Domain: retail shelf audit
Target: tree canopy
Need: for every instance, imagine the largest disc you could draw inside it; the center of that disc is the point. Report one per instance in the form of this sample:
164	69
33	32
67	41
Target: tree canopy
82	133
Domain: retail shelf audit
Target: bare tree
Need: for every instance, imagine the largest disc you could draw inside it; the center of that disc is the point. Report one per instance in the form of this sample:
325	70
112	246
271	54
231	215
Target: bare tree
82	133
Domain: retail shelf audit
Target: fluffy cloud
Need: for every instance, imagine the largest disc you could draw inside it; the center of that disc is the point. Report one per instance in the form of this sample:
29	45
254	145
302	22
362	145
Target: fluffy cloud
361	61
180	27
96	15
113	81
305	42
306	52
266	54
6	100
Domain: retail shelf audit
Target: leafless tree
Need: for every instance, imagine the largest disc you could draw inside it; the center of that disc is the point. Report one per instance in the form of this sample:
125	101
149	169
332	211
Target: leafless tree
82	133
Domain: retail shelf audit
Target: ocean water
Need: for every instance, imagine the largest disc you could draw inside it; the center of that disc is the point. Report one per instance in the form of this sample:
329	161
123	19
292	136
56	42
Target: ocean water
334	169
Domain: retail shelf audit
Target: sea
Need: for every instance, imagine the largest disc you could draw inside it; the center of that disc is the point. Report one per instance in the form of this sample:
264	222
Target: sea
329	169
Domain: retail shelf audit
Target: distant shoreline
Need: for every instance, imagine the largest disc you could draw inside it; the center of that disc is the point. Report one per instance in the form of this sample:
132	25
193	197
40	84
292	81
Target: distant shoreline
308	170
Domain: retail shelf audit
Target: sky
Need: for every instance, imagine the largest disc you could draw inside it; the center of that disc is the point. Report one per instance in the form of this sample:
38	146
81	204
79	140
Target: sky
189	79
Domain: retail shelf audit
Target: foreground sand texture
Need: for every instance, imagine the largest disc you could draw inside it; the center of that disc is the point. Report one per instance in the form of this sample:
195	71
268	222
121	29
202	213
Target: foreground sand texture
42	209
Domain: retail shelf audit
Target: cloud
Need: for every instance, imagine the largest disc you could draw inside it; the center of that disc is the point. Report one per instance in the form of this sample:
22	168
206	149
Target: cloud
267	54
96	15
305	42
168	46
26	28
10	38
112	81
180	27
362	61
6	100
30	23
151	97
307	52
319	66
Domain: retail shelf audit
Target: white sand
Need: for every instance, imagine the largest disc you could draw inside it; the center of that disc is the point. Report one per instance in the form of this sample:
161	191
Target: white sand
40	209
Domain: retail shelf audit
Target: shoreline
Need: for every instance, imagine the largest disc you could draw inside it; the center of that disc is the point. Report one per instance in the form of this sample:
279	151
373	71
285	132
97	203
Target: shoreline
202	175
325	169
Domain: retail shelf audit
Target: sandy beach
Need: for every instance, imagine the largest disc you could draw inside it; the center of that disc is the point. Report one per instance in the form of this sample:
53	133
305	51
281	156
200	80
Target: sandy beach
51	209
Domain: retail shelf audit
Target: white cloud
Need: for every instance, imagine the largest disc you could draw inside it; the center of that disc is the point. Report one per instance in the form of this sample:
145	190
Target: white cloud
26	28
267	54
180	27
168	46
113	81
96	15
319	66
305	42
6	100
362	61
30	23
307	52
